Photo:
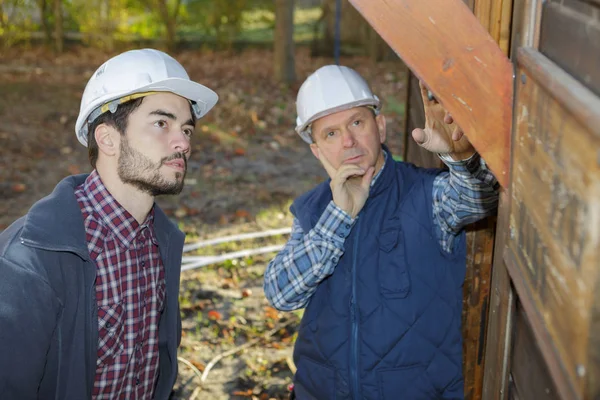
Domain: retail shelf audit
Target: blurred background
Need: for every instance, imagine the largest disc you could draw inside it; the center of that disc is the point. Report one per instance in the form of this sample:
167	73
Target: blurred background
247	162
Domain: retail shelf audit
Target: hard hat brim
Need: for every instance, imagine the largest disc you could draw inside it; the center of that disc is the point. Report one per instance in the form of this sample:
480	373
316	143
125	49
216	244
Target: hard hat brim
204	97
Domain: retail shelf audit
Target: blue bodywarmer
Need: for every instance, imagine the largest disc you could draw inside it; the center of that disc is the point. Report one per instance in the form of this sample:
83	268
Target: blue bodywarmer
387	323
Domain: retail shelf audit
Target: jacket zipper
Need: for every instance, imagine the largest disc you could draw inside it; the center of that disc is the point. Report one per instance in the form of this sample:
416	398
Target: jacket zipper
353	312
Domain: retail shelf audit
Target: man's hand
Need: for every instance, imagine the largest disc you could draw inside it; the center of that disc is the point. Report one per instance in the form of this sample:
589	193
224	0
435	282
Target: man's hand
441	135
350	185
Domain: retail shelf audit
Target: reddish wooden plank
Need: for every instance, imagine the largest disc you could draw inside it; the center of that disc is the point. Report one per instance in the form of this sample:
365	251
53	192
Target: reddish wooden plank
444	45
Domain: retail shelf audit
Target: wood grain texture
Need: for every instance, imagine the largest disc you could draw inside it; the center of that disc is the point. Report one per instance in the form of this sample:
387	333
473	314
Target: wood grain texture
554	244
443	44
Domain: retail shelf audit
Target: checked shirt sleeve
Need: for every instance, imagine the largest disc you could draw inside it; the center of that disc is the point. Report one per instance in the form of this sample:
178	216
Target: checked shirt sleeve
465	194
291	278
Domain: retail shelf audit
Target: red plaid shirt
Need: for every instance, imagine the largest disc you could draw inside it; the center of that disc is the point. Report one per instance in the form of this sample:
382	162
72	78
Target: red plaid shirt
130	292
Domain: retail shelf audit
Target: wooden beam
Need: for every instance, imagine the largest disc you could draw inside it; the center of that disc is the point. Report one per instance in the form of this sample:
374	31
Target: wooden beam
444	45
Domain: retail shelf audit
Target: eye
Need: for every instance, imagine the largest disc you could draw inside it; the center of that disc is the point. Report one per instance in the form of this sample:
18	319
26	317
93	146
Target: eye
357	122
188	132
161	124
330	134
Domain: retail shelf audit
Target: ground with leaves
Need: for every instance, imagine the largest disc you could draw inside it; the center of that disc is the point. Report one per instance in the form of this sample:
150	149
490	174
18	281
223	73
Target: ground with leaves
247	165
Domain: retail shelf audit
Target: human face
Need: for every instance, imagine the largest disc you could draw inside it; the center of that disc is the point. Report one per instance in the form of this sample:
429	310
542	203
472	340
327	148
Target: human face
154	150
351	136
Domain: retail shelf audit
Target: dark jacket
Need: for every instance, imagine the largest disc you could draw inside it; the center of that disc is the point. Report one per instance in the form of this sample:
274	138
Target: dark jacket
387	323
48	312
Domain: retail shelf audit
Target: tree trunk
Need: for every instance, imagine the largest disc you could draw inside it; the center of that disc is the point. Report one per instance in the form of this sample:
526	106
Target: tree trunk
58	27
285	69
108	25
170	21
45	19
324	46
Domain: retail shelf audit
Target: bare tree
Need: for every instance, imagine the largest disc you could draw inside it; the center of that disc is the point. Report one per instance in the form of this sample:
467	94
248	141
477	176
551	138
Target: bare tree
169	18
45	19
285	69
58	26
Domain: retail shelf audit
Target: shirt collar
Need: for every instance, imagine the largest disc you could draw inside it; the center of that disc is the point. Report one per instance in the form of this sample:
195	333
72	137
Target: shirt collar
385	157
113	215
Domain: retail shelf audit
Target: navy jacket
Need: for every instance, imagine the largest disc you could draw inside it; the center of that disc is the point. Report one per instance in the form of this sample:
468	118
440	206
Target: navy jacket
387	323
48	314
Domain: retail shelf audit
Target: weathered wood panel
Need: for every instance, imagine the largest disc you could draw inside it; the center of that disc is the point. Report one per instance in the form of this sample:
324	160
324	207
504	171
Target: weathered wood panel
554	244
443	44
570	36
529	374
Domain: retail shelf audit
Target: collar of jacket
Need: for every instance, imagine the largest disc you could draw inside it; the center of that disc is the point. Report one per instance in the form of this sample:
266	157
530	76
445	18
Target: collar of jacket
55	222
387	174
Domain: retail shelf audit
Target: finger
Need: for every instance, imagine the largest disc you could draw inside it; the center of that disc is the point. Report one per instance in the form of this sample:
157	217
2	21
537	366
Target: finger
347	171
331	171
448	118
431	142
367	178
420	136
457	134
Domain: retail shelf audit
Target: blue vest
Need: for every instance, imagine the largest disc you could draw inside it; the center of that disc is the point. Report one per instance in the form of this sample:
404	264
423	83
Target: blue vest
387	323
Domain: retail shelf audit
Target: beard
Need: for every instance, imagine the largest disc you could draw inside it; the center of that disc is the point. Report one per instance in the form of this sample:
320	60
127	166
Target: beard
136	169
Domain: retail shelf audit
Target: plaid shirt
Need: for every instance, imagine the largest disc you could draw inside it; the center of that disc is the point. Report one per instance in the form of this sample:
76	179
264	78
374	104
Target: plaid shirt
130	292
462	195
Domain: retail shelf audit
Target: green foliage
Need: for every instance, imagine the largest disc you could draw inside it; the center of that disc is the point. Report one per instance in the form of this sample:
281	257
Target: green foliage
100	23
220	19
17	17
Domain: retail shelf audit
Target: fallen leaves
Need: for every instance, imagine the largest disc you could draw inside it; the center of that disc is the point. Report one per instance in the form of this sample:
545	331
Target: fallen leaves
271	313
198	365
18	187
214	315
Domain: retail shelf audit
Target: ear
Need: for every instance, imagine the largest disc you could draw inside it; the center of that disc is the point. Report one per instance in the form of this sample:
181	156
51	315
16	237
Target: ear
107	138
315	150
380	120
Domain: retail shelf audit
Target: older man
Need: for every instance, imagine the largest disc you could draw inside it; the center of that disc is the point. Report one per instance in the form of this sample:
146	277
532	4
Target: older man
377	253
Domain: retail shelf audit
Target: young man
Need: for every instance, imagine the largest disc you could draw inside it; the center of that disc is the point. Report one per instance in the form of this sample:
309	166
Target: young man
377	253
90	276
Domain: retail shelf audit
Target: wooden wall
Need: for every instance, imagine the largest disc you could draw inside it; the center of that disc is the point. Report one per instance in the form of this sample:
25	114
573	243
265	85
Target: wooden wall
544	331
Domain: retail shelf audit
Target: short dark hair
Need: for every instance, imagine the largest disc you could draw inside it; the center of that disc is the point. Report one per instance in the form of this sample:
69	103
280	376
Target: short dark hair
117	120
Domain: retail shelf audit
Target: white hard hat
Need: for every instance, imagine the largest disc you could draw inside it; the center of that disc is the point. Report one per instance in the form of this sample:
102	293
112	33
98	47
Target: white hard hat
330	89
134	72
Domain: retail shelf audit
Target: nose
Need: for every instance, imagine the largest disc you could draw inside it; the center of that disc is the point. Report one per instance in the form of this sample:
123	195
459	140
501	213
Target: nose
348	139
180	143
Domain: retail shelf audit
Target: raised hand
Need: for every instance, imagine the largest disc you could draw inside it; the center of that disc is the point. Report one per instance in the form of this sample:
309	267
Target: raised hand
441	134
350	185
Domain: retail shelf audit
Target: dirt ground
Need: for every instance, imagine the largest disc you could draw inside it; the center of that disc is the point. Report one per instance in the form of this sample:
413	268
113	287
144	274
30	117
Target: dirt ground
247	166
